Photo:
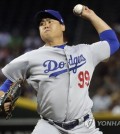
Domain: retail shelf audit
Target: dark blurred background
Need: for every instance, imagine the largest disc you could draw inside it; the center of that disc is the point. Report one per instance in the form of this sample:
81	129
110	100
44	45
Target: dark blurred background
19	34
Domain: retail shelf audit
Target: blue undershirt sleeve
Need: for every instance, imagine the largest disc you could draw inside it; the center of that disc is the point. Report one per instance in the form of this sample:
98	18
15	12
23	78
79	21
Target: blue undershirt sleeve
111	38
6	85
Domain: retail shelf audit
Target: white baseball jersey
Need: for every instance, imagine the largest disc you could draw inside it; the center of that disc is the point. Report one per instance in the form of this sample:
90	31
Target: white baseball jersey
61	77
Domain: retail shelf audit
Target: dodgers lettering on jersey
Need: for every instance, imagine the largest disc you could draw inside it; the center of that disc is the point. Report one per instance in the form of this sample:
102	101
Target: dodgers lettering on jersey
61	77
53	65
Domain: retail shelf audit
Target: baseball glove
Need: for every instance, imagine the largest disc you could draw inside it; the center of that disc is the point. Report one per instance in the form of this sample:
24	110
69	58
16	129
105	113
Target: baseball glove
11	96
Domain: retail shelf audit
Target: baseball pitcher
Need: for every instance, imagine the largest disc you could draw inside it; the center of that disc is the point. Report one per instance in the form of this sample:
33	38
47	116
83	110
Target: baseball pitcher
61	74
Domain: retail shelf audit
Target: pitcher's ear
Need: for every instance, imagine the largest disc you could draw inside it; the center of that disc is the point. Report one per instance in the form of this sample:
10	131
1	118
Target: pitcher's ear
63	27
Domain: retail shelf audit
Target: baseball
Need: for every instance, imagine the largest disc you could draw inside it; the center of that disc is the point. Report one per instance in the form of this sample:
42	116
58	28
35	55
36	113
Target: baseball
77	10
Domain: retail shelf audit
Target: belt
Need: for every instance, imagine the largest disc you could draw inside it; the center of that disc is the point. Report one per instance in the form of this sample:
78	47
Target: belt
67	125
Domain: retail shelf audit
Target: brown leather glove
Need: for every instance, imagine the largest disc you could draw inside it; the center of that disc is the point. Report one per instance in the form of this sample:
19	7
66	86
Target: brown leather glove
8	100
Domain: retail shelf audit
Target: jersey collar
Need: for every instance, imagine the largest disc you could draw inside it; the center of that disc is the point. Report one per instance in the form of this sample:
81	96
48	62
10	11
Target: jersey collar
61	46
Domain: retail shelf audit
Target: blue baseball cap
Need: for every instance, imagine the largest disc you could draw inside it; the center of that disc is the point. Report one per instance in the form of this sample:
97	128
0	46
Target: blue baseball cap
49	14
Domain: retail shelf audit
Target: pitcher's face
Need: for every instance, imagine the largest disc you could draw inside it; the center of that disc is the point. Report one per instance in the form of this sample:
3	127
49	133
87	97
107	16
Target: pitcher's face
50	29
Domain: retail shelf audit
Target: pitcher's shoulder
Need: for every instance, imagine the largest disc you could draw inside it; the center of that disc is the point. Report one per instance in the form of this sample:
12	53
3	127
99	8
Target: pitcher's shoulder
77	46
